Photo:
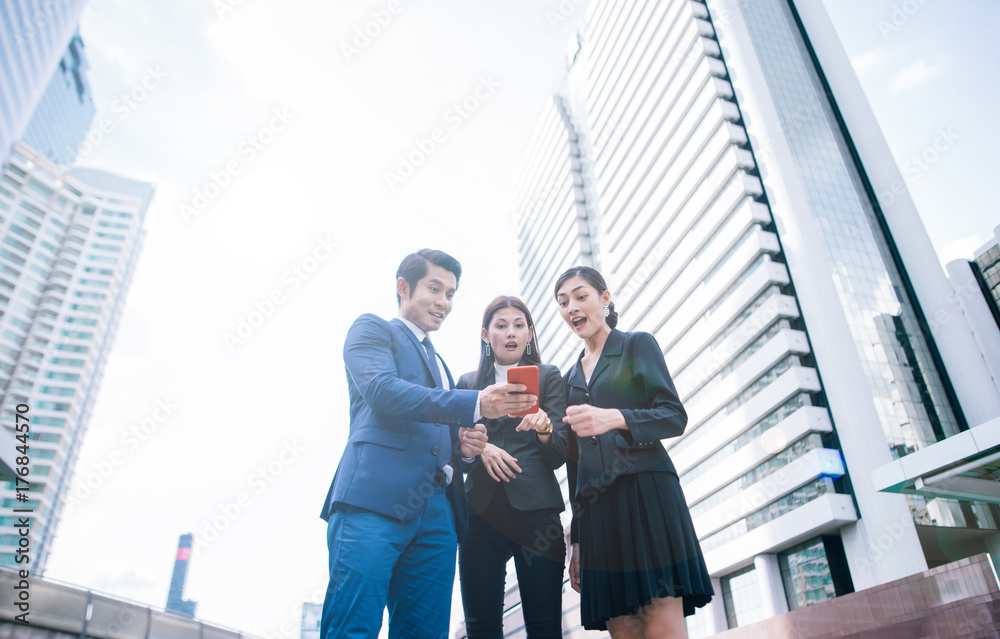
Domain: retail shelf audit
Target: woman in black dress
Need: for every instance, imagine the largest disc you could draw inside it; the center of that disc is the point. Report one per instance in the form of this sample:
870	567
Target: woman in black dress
636	561
513	494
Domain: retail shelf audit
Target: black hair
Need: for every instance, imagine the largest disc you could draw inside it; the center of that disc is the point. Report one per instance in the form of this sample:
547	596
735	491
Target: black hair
595	279
414	267
486	360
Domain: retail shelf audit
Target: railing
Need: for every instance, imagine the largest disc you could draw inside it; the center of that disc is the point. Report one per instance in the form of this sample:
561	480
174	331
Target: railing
52	605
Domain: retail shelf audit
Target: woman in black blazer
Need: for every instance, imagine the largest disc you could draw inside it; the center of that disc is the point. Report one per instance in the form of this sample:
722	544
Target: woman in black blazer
636	561
513	494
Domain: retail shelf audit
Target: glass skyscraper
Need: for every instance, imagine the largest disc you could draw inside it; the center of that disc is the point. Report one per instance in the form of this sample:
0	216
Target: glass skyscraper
64	113
69	243
718	162
33	38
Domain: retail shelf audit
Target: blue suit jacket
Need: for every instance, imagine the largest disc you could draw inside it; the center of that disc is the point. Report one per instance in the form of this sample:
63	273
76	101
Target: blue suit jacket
402	428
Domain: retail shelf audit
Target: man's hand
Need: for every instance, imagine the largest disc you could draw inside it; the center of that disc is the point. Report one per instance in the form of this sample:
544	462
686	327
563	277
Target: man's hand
499	463
587	420
503	399
472	440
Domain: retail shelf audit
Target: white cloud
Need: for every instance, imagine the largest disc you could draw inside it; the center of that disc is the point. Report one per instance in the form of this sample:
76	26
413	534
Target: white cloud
868	60
913	75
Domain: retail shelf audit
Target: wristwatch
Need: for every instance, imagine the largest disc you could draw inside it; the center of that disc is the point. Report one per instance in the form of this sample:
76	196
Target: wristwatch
548	428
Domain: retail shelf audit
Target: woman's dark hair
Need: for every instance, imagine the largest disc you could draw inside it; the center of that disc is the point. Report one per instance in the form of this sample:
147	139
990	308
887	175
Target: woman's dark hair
413	268
486	360
595	279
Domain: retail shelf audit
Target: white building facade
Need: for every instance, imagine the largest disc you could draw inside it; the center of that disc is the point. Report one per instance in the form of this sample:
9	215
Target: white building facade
732	184
69	243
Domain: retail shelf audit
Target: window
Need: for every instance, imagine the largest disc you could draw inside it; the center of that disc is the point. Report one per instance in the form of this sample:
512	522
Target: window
69	377
66	361
56	422
19	245
107	247
78	334
44	437
72	348
87	308
31	504
12	256
90	296
805	572
56	406
101	258
23	233
81	320
742	598
30	221
58	390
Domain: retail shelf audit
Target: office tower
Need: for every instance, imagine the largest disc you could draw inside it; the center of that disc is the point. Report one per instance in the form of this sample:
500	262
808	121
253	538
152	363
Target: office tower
986	267
747	212
64	113
175	597
69	243
33	38
554	220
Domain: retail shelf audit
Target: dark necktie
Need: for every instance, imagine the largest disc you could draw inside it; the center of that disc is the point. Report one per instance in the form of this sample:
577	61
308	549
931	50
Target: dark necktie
435	369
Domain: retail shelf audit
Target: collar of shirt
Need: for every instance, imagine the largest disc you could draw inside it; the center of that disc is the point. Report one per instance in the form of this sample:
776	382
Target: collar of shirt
501	372
413	327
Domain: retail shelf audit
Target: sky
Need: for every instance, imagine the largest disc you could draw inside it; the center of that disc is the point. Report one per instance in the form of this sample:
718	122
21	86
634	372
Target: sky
269	130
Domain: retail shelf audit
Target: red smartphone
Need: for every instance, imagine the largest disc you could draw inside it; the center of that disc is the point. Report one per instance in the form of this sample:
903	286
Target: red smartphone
527	375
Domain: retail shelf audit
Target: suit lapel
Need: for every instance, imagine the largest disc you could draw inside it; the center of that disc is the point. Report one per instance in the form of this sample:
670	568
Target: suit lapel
612	348
420	348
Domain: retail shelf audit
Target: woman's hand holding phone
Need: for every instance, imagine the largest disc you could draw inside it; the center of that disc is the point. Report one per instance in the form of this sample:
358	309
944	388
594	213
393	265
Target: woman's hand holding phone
534	421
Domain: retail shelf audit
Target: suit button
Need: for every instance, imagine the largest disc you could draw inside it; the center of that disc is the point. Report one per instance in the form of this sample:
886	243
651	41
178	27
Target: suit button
434	451
593	440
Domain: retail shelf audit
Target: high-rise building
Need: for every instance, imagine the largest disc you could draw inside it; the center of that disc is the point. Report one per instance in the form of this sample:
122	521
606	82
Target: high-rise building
175	597
718	161
69	243
33	38
64	113
986	266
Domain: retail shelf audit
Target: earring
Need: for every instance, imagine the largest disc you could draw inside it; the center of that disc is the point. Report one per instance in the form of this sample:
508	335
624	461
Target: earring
607	311
529	348
487	349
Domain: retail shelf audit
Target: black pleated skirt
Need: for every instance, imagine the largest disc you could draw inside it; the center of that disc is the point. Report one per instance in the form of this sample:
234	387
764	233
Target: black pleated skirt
637	542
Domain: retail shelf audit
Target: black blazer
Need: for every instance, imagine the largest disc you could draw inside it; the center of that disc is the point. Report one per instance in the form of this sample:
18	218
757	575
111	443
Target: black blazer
536	487
631	375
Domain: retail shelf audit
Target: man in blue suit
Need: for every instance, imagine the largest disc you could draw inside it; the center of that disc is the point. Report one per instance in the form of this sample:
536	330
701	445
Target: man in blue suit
396	508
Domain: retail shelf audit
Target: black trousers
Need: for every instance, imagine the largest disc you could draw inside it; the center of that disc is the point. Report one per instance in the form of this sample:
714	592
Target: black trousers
535	540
